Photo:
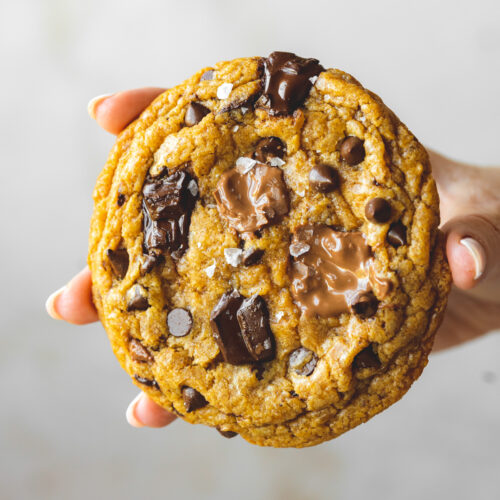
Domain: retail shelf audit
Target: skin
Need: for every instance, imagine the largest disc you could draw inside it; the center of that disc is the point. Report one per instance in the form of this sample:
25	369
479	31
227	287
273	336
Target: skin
470	208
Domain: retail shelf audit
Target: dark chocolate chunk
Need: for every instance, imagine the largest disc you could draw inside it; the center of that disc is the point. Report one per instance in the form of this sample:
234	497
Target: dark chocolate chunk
227	434
364	305
378	210
352	150
396	236
287	81
120	200
253	318
293	394
269	147
167	206
195	113
252	256
179	322
138	352
226	329
241	102
303	361
150	261
137	300
208	75
118	259
147	381
193	400
323	178
366	359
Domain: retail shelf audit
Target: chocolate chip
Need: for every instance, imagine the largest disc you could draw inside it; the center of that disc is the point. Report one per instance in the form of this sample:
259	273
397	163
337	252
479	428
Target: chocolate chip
365	305
226	329
287	81
208	75
366	359
195	113
167	206
120	200
118	259
269	147
138	352
293	394
179	322
193	400
352	150
147	381
150	262
252	256
137	300
323	178
396	236
302	361
253	318
378	210
227	434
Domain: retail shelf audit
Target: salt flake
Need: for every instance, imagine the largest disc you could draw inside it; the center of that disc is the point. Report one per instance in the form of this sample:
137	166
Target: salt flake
276	162
233	256
210	270
245	164
297	249
224	90
193	187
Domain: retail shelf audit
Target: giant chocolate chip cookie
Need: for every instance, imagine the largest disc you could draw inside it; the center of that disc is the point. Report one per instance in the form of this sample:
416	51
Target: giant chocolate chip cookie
265	254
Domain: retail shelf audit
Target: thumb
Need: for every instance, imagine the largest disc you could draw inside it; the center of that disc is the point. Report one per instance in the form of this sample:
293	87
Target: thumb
473	250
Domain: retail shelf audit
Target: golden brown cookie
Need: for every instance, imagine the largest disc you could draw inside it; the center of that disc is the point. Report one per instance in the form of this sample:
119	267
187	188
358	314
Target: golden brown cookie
265	251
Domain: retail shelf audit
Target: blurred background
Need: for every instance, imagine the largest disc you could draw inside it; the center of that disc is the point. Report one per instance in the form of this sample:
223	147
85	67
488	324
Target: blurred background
63	434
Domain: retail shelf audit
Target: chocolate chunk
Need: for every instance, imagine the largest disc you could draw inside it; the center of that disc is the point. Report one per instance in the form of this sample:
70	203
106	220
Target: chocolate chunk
147	381
364	305
226	329
195	113
150	261
252	256
241	102
352	150
396	236
138	352
378	210
179	322
253	318
167	206
269	147
366	359
119	261
287	81
323	178
208	75
193	400
137	300
227	434
303	361
120	200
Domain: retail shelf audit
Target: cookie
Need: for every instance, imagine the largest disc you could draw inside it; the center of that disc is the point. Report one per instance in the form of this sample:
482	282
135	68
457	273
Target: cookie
265	251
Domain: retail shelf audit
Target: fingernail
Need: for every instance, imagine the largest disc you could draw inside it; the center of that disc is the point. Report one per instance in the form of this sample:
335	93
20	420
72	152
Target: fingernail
93	103
130	413
477	253
50	305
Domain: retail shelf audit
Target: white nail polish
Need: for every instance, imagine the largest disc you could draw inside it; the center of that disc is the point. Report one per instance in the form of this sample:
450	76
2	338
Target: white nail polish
92	105
130	413
50	304
477	253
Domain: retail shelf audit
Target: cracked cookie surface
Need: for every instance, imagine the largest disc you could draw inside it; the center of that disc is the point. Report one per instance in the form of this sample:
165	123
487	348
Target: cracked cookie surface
265	251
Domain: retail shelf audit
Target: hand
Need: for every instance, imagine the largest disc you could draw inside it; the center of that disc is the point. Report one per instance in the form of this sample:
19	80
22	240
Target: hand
470	209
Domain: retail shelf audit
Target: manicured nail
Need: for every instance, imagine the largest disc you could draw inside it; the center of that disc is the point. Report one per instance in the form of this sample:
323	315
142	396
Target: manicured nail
130	413
50	305
477	253
93	103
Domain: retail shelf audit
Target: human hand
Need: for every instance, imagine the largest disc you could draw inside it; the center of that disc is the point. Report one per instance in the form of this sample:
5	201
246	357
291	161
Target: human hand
472	247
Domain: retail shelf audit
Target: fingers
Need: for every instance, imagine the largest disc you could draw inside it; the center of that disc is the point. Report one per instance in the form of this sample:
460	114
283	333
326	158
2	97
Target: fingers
473	250
144	412
113	112
73	303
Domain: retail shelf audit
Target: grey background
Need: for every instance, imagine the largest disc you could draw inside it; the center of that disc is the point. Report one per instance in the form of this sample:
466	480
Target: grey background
62	429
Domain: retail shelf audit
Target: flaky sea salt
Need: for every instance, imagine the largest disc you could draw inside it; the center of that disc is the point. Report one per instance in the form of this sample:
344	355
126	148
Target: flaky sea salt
243	110
210	270
235	128
279	315
276	162
224	90
193	187
233	256
297	249
313	79
267	344
245	164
